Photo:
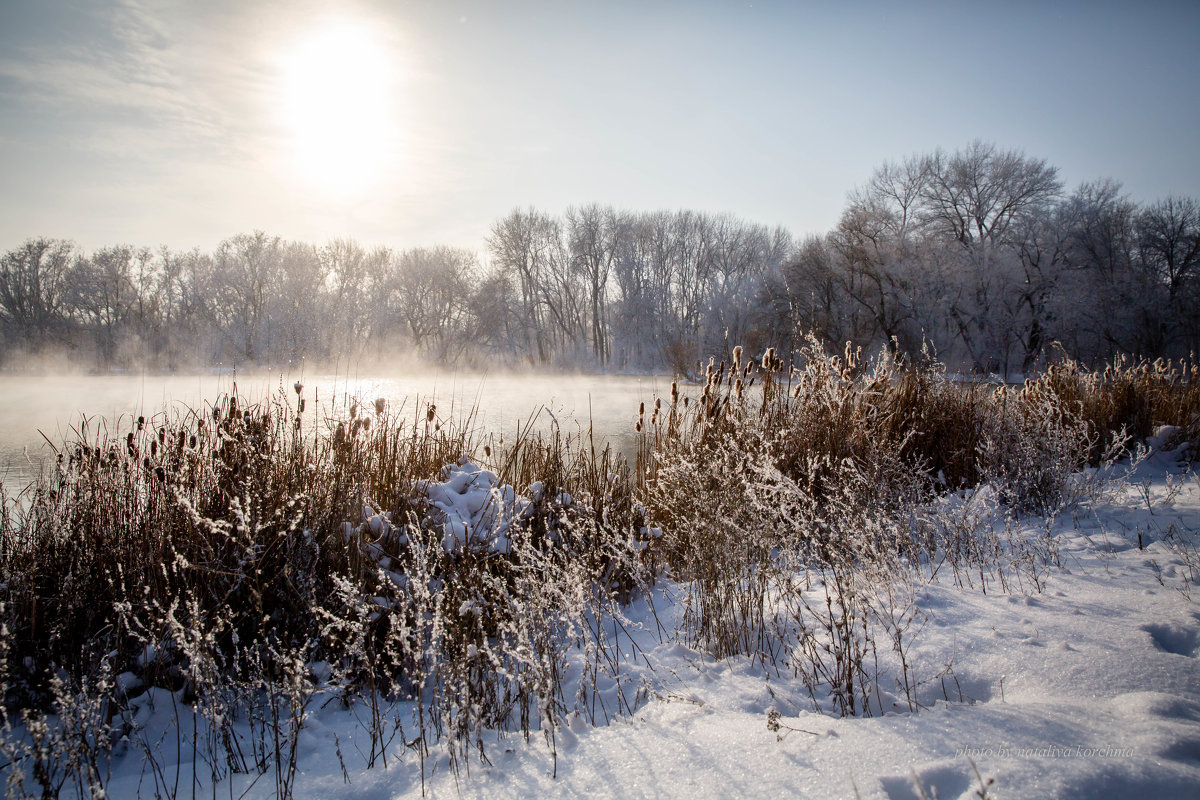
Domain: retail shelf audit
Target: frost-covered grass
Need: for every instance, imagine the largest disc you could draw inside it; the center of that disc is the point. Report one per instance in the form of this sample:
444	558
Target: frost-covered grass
248	561
234	597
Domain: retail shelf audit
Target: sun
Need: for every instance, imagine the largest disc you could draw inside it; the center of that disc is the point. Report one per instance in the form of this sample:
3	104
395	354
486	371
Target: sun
336	94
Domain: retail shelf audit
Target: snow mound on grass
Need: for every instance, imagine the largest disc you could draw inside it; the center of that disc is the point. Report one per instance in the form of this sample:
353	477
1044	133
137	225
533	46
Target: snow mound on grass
475	508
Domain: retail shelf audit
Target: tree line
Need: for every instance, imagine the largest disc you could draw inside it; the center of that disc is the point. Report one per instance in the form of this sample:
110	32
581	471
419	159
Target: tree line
978	257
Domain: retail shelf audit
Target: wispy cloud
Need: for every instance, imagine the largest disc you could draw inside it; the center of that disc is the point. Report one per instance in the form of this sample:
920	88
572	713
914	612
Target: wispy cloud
131	89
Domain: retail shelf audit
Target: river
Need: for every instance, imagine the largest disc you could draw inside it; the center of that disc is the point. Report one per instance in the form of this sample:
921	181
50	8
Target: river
37	408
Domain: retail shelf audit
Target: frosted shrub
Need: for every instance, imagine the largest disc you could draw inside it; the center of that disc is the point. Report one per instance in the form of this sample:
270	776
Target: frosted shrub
1031	449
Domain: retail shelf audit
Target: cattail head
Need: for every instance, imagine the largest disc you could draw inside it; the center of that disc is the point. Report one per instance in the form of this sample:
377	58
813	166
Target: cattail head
430	413
380	405
298	386
737	358
768	359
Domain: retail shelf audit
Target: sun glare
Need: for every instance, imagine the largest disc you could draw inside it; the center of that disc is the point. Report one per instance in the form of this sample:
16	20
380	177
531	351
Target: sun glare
336	94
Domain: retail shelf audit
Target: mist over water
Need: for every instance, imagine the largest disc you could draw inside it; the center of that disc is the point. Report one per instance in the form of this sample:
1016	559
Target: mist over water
59	406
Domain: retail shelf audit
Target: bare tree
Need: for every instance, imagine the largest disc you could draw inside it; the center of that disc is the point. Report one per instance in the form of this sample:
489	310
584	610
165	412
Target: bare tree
1168	236
33	285
597	236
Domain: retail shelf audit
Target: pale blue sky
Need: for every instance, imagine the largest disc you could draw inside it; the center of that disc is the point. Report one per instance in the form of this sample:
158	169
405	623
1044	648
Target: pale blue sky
160	122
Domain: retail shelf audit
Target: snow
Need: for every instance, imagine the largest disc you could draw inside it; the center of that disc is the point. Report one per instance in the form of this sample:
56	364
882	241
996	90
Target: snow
1088	688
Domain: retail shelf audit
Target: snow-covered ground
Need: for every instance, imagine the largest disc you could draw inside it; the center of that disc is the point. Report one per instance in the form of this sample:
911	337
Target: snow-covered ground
1089	688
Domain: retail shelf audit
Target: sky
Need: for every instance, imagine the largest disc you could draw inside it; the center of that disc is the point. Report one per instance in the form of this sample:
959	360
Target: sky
419	123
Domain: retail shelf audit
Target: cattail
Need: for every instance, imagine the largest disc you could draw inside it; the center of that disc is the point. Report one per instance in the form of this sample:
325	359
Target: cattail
339	435
301	405
429	415
674	392
354	409
642	409
737	358
768	359
153	448
487	451
380	406
192	441
141	423
298	386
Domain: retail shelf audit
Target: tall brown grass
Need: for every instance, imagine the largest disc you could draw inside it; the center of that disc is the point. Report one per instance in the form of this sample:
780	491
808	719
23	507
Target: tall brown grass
250	556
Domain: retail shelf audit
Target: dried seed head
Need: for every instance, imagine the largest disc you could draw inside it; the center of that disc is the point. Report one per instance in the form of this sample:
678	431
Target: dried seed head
430	413
380	406
298	386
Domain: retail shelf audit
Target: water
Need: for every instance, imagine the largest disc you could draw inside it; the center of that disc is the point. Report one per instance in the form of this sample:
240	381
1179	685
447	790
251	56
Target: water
57	406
